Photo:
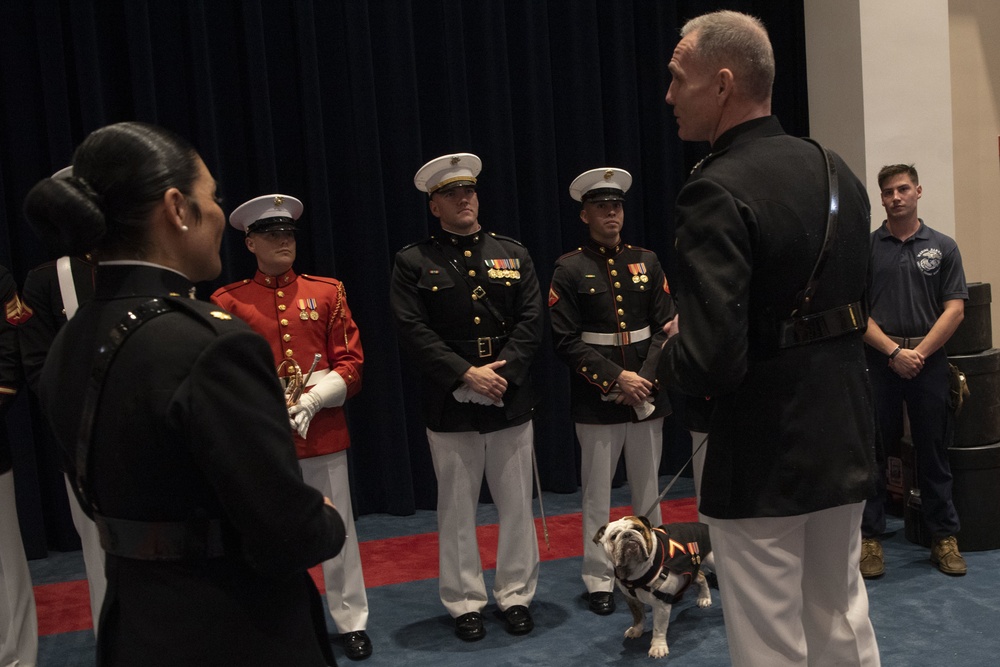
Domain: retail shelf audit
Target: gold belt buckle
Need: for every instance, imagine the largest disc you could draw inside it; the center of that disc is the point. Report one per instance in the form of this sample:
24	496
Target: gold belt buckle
478	293
485	346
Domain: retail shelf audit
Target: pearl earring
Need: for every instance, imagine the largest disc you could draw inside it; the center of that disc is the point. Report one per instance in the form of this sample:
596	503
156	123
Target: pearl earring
184	228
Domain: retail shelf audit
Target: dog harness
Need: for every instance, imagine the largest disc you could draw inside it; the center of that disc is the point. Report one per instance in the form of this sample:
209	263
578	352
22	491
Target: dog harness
678	551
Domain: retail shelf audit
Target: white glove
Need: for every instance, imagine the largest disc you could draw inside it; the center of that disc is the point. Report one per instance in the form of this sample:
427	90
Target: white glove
465	394
642	411
329	392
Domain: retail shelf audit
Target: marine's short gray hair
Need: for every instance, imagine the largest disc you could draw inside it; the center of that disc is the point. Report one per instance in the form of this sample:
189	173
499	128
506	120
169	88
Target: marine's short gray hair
738	42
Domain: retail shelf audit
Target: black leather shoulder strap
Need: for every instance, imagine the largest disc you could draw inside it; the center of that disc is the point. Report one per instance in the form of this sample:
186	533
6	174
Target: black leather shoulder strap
804	300
477	292
132	320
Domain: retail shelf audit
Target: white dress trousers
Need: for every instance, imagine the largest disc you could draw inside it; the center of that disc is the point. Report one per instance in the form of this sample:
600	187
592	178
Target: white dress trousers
600	447
18	621
342	575
93	554
792	593
460	460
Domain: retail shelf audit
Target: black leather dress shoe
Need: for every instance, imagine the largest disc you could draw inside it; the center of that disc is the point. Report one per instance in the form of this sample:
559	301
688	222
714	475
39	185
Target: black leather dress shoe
602	603
357	645
518	620
469	627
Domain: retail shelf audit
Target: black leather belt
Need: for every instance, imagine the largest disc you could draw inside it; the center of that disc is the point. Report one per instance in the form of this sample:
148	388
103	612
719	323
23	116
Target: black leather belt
160	540
907	342
831	323
482	348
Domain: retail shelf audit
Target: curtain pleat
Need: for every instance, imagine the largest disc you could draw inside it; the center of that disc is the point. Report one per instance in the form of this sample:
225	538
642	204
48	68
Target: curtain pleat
338	102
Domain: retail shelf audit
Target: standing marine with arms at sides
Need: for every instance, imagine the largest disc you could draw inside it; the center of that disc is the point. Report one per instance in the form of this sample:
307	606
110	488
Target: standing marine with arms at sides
608	303
772	249
173	425
18	620
308	324
468	312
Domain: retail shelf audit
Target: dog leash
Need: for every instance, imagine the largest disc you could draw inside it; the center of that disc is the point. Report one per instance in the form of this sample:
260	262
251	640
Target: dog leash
541	507
701	444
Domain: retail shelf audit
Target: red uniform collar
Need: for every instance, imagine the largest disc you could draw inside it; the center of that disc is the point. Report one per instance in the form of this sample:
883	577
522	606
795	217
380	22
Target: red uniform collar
274	282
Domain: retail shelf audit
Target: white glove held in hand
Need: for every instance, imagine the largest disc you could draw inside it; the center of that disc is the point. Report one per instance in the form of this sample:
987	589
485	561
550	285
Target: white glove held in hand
329	392
642	411
465	394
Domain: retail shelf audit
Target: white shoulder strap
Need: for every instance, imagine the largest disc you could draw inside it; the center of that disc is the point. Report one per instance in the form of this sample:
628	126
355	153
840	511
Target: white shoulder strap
66	286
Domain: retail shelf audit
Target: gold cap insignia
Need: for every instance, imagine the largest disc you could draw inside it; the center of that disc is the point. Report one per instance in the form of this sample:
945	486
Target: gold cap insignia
455	159
279	200
608	175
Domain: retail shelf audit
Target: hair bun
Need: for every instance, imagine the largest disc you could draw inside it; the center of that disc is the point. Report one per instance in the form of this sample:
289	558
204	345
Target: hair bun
67	214
86	190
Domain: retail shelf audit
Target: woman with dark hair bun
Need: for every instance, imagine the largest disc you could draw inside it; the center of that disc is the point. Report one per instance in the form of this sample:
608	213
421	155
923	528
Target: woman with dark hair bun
171	420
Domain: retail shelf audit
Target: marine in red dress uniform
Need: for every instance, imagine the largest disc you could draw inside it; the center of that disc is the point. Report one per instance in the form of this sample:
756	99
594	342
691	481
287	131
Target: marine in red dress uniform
306	320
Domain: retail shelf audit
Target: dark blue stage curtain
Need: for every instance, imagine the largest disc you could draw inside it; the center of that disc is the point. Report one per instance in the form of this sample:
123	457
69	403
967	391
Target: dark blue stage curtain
338	102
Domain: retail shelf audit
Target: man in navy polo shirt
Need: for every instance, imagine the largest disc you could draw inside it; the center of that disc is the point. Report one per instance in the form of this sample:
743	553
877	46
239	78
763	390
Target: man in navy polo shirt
917	297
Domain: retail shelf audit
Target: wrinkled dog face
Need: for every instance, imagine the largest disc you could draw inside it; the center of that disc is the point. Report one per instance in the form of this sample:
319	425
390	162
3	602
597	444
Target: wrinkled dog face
628	543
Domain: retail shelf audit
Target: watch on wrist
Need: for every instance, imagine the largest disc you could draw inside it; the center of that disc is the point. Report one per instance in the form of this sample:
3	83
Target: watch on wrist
892	355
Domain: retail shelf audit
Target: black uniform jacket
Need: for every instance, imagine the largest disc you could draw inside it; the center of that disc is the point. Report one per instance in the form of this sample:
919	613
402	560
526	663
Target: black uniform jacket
792	430
41	293
606	290
191	424
10	363
445	331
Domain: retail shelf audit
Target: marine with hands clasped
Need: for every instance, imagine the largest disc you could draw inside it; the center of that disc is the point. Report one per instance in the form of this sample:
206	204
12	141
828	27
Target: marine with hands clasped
316	344
468	312
608	303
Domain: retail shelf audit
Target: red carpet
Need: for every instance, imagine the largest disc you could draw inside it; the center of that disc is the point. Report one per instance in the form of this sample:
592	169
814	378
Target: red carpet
65	607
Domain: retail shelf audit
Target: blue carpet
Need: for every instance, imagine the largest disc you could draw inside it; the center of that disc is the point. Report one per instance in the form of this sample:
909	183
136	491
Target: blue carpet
921	617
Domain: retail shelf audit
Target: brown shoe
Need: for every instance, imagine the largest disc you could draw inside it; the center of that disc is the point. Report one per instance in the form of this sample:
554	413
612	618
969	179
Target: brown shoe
944	554
872	559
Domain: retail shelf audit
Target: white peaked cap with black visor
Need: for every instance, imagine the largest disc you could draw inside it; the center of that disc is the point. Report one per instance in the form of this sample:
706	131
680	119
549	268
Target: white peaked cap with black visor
267	213
448	171
602	184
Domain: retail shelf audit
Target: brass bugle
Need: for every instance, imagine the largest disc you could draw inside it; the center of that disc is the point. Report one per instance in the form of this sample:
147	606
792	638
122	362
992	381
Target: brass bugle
294	381
316	358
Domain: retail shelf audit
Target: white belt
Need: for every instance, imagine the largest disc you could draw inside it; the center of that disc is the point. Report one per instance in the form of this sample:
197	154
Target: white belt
618	339
317	376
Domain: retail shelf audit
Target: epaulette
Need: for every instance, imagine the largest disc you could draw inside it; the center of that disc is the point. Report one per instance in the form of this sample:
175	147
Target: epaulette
569	254
44	266
702	163
231	286
501	237
637	247
415	244
320	279
213	316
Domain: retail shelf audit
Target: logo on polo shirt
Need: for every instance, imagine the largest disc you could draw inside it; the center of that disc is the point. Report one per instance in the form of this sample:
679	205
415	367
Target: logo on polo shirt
929	261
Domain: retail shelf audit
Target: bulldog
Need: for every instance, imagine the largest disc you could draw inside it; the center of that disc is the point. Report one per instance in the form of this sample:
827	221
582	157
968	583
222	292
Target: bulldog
655	566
